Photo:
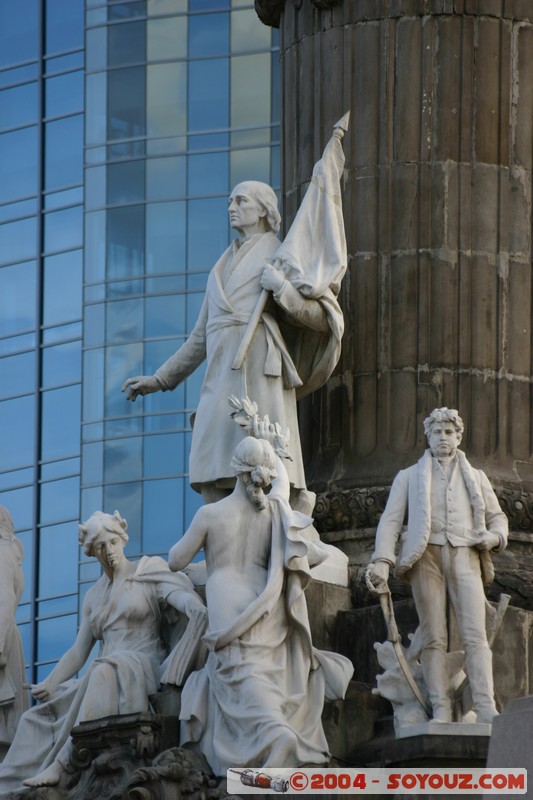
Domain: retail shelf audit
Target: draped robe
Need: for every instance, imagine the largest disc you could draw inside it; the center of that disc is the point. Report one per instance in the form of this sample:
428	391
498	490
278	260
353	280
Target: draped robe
274	372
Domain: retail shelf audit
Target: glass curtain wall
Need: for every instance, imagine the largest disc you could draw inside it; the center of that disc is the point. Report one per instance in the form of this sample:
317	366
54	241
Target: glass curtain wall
179	108
41	239
104	259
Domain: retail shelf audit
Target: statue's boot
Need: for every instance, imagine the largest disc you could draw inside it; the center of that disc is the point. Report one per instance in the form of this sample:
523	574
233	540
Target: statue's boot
479	670
435	670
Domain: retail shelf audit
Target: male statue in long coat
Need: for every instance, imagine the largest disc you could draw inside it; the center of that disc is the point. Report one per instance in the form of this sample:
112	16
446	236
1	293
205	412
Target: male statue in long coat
454	520
296	343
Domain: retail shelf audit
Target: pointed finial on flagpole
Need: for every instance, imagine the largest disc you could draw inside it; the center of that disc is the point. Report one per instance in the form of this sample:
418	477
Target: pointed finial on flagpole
340	127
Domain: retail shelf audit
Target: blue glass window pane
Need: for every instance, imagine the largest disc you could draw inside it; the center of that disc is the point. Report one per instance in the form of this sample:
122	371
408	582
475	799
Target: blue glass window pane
125	242
27	537
18	75
58	545
17	374
91	500
123	459
67	197
162	514
63	152
208	174
93	385
55	636
64	25
207	5
126	103
122	361
18	241
15	478
95	246
124	321
127	10
20	505
60	469
165	316
246	34
165	237
62	63
92	463
60	435
24	208
127	498
208	94
64	94
165	178
96	114
167	38
62	333
167	99
63	229
125	182
59	605
164	455
18	106
18	164
17	426
208	141
60	500
17	297
126	44
62	287
155	354
208	232
208	34
19	31
62	364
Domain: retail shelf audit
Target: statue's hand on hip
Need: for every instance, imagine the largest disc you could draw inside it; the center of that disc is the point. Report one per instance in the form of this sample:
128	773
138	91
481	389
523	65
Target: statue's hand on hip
141	385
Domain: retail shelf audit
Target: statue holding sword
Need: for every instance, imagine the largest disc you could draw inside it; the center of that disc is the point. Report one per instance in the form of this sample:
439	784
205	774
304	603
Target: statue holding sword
454	520
270	325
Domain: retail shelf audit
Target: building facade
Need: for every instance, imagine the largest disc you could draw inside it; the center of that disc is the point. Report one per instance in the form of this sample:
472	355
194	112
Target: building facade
123	126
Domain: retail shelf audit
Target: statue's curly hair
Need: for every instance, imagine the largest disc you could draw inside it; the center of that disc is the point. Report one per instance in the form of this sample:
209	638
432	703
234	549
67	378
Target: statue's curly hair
444	415
98	521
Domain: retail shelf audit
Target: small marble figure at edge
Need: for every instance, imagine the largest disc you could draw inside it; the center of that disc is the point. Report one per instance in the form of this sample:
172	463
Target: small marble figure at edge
454	521
13	695
125	611
258	701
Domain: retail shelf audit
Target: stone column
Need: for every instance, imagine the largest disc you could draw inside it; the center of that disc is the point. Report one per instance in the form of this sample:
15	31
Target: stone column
438	295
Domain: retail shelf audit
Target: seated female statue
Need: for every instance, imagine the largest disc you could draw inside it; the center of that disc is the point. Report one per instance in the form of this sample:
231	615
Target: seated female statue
125	611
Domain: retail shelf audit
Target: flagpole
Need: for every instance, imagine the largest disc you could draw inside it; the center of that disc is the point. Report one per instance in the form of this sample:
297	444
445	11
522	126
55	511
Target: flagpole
339	130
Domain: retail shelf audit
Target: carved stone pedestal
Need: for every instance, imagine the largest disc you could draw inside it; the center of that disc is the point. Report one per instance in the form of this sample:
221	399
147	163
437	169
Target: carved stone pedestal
130	757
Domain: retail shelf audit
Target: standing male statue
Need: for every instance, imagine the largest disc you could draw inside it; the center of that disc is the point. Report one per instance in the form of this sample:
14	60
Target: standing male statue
296	343
454	520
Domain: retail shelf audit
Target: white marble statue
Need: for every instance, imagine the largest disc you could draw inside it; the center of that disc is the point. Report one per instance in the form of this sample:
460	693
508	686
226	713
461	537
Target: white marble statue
258	701
125	611
288	294
13	696
454	520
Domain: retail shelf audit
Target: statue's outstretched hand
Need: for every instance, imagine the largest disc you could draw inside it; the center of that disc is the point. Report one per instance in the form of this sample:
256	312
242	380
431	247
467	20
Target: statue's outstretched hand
487	541
140	385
